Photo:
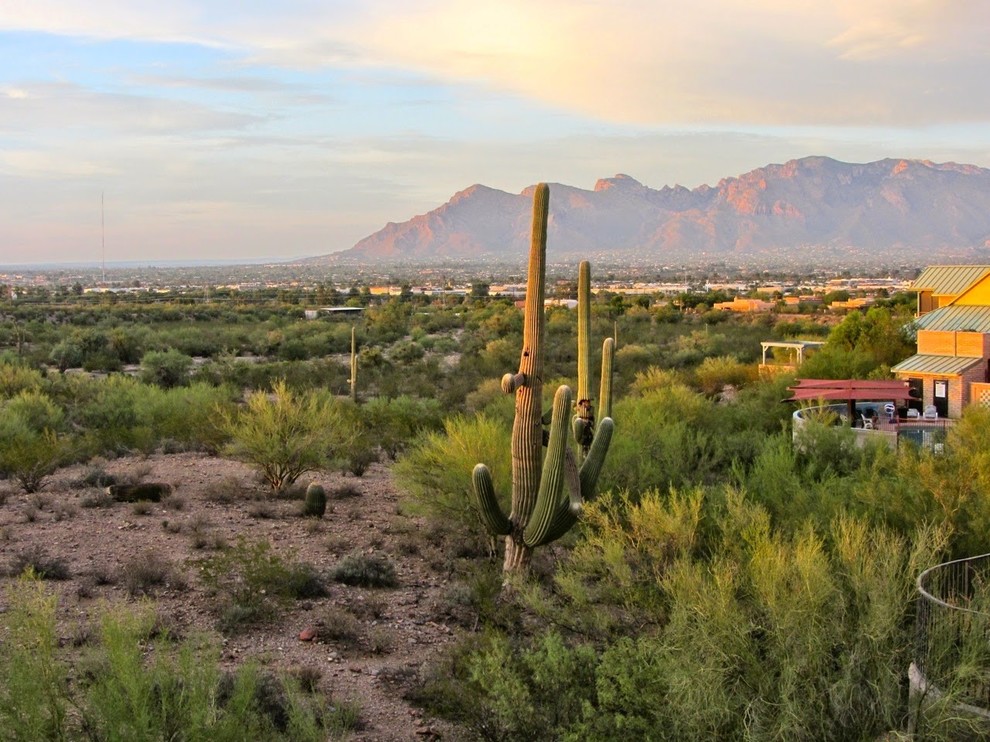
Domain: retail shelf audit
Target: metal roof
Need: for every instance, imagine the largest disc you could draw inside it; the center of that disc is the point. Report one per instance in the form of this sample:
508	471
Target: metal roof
956	319
928	364
949	279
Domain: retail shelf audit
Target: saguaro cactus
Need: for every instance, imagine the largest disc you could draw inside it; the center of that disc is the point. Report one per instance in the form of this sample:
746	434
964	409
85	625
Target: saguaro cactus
541	511
354	365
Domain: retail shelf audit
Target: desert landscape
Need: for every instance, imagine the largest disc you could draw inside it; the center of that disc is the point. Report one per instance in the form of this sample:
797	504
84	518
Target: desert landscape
359	646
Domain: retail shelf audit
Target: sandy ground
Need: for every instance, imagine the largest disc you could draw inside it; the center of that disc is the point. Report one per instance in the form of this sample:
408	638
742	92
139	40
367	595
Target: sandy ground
401	628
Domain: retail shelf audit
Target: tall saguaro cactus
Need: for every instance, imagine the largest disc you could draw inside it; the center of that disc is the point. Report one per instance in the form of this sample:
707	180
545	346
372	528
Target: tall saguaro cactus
354	365
541	510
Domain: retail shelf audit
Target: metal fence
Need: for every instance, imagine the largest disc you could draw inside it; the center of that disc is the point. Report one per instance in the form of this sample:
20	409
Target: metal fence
952	650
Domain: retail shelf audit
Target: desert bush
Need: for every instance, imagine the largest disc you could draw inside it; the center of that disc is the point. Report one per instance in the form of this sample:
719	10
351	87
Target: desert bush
111	418
499	690
436	471
203	535
714	373
66	354
732	629
365	570
37	410
663	439
166	368
338	624
187	416
226	491
956	481
28	456
33	679
394	422
147	572
252	583
35	560
16	378
181	693
31	446
285	435
361	456
94	476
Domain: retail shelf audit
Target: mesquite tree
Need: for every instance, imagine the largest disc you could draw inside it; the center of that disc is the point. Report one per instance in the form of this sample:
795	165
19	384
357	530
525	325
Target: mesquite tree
541	509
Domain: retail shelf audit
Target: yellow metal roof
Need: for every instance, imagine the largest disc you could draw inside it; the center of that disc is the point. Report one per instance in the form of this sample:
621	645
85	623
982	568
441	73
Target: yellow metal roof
940	365
956	319
949	279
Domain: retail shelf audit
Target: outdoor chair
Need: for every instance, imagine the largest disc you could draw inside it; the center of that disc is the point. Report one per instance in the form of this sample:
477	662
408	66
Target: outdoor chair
930	413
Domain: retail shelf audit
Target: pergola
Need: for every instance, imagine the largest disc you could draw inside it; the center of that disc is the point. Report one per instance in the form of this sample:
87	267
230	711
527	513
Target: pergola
851	391
797	348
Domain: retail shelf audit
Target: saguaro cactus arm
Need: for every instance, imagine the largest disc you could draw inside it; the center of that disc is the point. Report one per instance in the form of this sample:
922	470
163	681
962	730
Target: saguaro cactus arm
605	391
496	522
581	485
552	478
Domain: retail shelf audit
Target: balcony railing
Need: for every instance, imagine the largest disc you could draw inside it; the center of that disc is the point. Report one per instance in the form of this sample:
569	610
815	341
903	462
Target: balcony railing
929	434
953	628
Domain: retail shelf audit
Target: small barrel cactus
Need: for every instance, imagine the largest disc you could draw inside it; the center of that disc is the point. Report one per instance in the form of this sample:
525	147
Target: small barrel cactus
315	504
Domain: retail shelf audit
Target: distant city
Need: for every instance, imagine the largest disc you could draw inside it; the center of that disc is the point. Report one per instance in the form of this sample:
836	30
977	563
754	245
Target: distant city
499	278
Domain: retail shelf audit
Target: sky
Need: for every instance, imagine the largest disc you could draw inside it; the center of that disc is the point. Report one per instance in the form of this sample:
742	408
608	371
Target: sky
246	129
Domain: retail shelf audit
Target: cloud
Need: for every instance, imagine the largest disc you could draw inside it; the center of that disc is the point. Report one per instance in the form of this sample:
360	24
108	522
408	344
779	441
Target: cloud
640	62
66	106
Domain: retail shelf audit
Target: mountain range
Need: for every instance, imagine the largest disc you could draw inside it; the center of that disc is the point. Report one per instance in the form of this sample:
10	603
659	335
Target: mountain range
808	208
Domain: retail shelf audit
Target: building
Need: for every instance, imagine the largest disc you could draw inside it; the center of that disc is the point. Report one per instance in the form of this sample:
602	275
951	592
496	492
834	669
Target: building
952	366
859	302
739	304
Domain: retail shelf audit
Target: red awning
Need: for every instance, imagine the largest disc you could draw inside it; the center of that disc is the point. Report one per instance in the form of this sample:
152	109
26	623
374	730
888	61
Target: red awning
851	389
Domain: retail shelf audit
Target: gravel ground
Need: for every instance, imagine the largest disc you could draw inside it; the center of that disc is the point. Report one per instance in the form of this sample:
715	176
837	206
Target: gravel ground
399	629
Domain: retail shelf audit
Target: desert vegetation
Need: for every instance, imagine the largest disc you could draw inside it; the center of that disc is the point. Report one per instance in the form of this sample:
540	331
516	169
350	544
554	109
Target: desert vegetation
723	582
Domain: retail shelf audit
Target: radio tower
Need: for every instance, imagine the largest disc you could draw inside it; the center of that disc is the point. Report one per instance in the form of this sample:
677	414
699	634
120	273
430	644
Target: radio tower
103	242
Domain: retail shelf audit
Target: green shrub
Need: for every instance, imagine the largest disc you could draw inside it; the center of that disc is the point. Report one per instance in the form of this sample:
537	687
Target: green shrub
66	354
716	372
741	631
29	456
436	471
188	415
252	583
167	369
285	435
132	687
393	423
364	570
33	678
112	419
16	378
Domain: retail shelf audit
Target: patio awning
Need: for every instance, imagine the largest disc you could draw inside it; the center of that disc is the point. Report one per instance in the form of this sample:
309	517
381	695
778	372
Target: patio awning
940	365
851	390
